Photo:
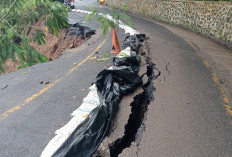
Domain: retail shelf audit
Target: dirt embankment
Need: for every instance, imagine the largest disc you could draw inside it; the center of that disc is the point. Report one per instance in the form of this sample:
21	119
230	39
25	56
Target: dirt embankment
52	49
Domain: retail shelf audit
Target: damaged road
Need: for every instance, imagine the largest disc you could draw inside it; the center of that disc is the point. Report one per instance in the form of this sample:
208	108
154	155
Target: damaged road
134	119
179	113
136	122
188	116
39	100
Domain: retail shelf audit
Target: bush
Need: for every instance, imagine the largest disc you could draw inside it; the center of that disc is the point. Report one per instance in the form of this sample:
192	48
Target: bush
16	21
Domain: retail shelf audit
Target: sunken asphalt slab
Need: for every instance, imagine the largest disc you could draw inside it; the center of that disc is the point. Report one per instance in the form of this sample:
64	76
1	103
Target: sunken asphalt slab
188	116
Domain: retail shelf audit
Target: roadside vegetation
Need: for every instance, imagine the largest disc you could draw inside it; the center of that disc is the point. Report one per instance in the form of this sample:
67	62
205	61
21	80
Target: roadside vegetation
107	24
18	18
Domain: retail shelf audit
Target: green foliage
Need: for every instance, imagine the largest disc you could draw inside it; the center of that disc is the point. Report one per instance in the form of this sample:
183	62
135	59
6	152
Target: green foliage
39	37
106	55
102	59
140	58
19	19
123	55
106	23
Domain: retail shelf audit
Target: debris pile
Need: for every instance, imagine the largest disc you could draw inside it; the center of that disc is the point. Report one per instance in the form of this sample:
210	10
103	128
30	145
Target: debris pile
81	31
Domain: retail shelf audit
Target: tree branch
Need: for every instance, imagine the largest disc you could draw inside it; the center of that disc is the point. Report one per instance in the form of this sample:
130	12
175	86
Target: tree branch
12	6
12	27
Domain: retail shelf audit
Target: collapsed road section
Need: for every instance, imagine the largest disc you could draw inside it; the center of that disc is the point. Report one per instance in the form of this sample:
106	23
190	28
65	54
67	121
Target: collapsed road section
121	137
112	84
85	132
135	126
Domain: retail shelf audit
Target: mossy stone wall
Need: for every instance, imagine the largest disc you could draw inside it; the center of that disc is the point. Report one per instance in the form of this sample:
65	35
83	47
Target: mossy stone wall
212	19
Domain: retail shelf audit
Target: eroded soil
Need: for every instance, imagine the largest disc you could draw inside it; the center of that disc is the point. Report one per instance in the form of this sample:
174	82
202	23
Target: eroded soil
52	49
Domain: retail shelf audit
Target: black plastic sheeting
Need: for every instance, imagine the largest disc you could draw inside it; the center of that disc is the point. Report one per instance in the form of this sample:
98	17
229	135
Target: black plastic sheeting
112	85
132	63
67	3
133	41
81	31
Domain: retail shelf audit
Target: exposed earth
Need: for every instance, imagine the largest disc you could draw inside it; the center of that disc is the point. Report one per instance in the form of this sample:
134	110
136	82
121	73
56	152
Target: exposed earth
52	49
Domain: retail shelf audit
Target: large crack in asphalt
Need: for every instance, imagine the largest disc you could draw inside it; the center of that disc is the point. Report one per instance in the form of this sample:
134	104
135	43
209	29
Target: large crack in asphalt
139	107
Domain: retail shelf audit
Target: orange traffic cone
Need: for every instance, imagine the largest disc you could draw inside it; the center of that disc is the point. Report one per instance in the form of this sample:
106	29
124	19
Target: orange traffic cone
101	2
116	47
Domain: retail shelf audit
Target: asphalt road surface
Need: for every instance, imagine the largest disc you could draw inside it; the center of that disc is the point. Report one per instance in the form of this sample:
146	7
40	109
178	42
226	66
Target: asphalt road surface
188	117
39	100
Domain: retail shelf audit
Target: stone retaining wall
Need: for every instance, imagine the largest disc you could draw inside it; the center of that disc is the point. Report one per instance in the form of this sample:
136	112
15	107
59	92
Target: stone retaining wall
212	19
